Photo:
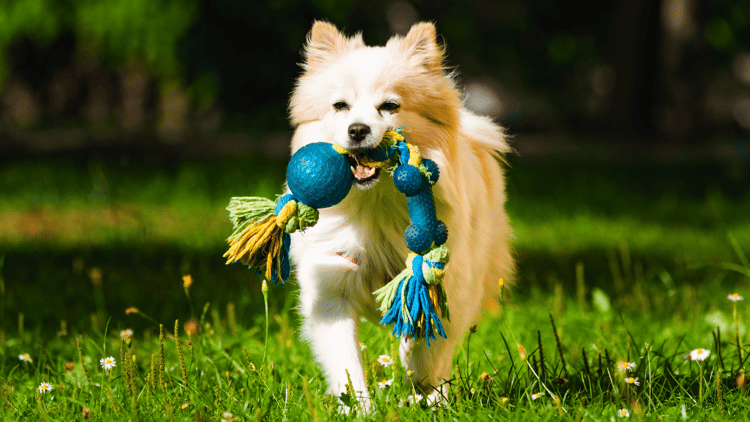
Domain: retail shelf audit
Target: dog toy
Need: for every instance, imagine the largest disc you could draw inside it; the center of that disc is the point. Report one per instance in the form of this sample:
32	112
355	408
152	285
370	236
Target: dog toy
319	176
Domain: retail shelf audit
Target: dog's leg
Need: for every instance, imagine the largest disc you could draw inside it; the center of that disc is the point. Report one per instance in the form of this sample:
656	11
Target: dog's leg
330	322
430	366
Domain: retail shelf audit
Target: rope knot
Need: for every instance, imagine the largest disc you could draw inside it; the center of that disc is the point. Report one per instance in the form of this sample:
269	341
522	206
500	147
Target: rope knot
285	216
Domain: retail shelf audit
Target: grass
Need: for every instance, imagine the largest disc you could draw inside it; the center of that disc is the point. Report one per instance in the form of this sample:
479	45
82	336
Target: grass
616	263
67	204
568	348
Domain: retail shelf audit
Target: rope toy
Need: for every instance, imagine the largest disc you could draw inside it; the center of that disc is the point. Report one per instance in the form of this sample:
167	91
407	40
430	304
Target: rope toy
319	176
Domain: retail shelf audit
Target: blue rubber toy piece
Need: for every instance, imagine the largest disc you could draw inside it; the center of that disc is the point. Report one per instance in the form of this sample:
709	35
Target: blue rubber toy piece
319	176
408	179
418	238
433	169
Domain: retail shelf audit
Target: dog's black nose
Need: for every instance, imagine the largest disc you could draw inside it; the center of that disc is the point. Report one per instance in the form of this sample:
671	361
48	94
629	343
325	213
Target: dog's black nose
358	131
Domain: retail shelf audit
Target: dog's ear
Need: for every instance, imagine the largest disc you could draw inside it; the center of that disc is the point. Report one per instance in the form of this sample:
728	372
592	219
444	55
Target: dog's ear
422	41
325	41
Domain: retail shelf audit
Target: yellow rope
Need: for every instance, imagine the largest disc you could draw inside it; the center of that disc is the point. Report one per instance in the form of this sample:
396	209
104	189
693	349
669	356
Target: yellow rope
341	150
395	135
245	247
432	290
415	157
286	213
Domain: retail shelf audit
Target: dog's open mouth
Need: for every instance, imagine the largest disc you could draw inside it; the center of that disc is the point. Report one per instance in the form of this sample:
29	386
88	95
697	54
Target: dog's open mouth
364	176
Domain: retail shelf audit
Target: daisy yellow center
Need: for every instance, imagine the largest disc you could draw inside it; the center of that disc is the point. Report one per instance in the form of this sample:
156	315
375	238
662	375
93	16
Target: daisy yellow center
700	351
735	296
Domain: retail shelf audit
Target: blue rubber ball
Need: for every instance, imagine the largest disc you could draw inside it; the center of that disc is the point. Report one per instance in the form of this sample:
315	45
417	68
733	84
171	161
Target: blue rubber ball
440	233
319	176
418	238
408	179
433	169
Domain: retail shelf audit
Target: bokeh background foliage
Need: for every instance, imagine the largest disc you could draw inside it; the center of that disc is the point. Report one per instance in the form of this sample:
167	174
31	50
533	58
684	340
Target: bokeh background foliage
669	68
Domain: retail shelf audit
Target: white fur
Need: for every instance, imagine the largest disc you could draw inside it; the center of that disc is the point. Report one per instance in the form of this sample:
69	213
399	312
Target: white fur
358	246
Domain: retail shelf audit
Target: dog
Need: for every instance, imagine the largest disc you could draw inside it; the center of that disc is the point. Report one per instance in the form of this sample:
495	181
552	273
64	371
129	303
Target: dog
349	94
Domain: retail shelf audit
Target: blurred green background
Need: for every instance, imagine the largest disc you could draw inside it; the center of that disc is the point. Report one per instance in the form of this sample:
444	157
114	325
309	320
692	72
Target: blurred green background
126	126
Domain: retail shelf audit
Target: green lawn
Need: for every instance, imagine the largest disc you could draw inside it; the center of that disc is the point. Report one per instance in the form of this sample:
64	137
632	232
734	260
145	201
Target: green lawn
622	257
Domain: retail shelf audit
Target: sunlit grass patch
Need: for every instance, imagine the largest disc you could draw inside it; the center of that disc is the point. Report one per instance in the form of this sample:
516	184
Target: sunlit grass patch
537	355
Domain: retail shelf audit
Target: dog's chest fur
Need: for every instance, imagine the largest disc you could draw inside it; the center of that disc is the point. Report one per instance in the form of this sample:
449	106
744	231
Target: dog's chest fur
362	237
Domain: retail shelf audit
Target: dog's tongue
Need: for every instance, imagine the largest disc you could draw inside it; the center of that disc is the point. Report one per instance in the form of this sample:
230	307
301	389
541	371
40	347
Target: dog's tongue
362	172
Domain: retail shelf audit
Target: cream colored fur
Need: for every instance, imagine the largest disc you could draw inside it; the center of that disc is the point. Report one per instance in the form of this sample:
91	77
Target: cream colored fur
358	246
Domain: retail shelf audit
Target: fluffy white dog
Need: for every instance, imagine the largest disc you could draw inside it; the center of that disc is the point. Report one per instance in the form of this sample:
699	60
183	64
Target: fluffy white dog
350	94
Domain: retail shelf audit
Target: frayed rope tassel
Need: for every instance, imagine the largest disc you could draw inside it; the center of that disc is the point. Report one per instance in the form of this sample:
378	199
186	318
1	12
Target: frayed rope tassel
261	233
410	300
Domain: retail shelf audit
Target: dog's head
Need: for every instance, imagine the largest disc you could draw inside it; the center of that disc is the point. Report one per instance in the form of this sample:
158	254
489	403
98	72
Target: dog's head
351	93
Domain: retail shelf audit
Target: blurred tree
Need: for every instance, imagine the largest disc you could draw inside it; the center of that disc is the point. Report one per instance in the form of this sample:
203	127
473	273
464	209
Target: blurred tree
679	68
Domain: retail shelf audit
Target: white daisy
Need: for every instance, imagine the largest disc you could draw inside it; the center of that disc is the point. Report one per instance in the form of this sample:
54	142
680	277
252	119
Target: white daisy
126	333
623	366
44	387
735	297
414	399
623	413
25	357
385	360
536	396
699	354
362	346
185	405
632	380
385	383
107	363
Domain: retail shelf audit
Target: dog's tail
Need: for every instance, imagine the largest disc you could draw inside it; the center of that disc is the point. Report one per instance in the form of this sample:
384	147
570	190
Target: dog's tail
486	134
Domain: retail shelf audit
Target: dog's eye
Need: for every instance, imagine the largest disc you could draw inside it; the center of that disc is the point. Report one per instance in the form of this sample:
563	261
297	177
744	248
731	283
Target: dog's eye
389	106
340	105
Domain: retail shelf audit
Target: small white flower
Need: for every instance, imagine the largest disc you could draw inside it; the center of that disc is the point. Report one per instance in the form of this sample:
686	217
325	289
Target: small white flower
385	383
735	297
126	333
185	405
632	380
107	363
385	360
414	399
44	387
25	358
699	354
623	366
623	413
362	346
473	390
536	396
